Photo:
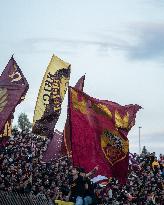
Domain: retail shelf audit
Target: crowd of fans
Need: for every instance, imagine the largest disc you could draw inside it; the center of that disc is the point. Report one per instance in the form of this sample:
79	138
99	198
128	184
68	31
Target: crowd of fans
22	171
145	184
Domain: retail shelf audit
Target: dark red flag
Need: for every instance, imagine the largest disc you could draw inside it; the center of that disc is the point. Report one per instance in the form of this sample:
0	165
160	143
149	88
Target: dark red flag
54	149
13	88
99	132
80	83
67	140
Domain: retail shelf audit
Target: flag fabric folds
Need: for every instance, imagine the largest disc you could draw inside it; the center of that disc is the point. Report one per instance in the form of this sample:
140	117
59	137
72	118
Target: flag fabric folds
54	149
67	137
51	94
99	132
13	88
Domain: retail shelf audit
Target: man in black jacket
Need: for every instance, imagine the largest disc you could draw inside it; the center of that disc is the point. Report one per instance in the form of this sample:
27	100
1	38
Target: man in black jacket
81	190
77	188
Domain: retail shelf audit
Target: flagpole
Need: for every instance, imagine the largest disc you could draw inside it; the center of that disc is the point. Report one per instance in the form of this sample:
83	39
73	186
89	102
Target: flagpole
139	139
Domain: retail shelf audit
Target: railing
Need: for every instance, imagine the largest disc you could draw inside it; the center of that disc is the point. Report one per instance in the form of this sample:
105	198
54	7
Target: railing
13	198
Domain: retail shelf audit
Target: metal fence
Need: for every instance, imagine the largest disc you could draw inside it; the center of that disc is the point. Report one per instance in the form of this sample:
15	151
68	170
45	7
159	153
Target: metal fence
12	198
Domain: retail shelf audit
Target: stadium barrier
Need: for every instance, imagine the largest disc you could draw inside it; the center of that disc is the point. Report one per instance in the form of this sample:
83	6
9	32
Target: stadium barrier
13	198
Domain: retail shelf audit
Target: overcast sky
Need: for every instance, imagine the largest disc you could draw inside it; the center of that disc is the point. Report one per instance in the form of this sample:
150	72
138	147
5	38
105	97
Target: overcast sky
118	44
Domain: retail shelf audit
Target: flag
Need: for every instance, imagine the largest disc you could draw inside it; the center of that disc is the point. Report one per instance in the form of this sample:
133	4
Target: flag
80	83
50	97
67	140
54	149
99	178
13	86
99	132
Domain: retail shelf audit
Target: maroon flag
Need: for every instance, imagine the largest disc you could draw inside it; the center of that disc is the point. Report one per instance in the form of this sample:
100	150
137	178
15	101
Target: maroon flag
54	149
67	140
13	88
99	132
80	83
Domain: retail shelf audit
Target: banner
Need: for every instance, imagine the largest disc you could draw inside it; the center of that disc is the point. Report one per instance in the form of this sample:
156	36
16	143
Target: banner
13	87
54	149
67	137
99	132
51	94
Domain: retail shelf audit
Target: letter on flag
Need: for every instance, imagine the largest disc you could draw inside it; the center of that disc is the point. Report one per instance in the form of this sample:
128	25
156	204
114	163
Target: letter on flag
99	132
50	97
13	87
67	140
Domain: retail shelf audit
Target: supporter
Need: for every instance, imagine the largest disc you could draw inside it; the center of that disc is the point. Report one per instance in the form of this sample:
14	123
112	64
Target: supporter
155	164
77	187
89	196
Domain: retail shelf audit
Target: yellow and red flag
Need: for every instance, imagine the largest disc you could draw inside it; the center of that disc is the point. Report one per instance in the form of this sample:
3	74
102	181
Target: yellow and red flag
99	132
51	94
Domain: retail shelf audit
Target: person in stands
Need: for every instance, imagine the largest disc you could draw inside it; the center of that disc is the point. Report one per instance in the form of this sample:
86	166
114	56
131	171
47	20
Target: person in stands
89	196
77	190
82	191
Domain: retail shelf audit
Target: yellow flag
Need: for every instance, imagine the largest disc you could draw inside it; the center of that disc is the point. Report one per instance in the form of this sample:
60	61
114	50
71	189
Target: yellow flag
51	94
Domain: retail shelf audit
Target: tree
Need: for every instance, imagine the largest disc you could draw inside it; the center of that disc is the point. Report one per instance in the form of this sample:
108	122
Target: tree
23	122
144	150
15	127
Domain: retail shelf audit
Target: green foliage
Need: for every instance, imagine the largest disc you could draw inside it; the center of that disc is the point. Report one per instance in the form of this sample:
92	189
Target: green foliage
23	123
14	129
